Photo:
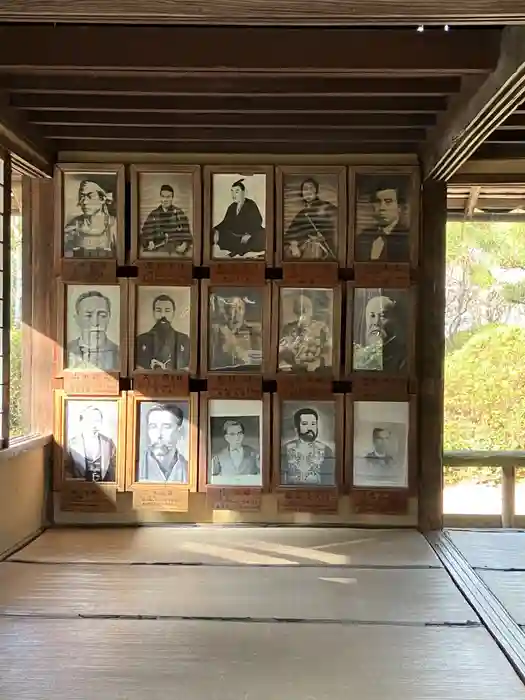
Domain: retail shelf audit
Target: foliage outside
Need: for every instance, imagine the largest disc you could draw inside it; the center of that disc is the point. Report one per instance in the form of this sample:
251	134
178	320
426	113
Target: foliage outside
485	342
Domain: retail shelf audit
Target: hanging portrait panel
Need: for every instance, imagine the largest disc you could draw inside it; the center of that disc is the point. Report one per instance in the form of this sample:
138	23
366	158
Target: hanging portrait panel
380	321
311	219
91	320
235	449
163	328
381	444
235	339
239	214
307	325
166	213
385	223
90	219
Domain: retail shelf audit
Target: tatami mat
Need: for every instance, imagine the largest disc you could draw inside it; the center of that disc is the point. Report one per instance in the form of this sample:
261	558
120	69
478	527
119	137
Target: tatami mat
509	588
392	595
109	659
491	549
250	546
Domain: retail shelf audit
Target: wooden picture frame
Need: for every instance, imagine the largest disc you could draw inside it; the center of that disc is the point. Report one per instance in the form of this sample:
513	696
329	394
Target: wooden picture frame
159	494
60	463
265	442
309	496
317	174
400	255
93	380
192	343
380	377
265	290
237	173
333	371
192	210
74	264
409	487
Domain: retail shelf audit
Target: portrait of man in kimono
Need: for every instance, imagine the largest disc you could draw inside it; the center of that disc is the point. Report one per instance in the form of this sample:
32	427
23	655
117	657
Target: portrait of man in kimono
92	232
241	232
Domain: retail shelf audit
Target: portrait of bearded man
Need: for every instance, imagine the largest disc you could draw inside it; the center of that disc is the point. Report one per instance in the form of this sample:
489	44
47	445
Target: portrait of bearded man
162	347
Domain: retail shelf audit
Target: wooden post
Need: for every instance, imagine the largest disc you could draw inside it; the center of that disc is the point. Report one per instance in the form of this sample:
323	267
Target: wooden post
431	341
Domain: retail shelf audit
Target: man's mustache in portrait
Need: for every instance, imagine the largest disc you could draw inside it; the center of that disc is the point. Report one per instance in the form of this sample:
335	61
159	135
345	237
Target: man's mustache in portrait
308	435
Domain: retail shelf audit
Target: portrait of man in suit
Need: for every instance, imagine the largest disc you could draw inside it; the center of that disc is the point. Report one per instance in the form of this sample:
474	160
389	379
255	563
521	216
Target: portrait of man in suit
235	460
380	332
162	348
312	234
90	453
167	228
387	239
306	460
92	314
241	232
235	337
91	231
162	429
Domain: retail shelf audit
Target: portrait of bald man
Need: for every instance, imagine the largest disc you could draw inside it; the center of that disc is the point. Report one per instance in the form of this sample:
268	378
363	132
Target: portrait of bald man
380	330
91	436
90	221
382	219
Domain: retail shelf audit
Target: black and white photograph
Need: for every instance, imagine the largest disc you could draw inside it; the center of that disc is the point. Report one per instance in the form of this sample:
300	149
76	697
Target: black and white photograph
235	446
90	440
380	330
381	444
166	210
92	327
306	325
235	331
90	215
163	328
308	443
382	226
238	216
163	443
310	217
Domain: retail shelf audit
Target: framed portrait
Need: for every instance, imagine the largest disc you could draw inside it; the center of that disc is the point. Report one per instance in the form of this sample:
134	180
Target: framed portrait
166	213
384	224
90	439
306	330
380	440
163	328
90	212
238	212
162	442
235	442
92	327
235	332
380	331
308	442
311	214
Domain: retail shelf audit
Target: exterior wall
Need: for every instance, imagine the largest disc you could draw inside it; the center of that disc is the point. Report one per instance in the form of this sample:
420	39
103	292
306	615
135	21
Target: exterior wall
22	496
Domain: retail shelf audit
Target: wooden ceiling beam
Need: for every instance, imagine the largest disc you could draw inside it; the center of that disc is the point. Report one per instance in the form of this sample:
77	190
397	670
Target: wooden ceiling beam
296	147
231	85
24	139
275	120
478	112
226	49
507	136
266	12
252	104
204	135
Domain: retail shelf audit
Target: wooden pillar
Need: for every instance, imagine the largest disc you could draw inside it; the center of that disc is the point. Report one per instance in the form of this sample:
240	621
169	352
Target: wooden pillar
431	356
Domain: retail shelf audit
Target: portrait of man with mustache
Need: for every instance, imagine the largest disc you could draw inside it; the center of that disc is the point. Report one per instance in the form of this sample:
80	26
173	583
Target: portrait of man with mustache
163	348
306	460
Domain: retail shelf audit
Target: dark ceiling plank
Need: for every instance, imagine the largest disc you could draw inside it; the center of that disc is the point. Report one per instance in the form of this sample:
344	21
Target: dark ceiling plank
466	126
291	148
231	104
223	49
24	139
265	12
231	85
507	136
276	120
202	134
